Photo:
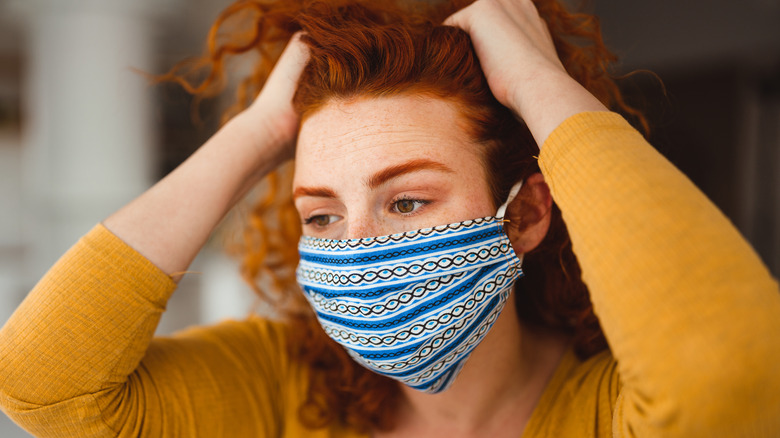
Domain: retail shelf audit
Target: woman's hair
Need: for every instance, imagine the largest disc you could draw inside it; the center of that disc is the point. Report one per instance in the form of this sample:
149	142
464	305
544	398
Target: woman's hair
377	48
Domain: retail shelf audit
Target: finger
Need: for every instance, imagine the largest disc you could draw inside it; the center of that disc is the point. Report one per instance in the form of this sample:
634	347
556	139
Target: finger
458	19
296	52
292	61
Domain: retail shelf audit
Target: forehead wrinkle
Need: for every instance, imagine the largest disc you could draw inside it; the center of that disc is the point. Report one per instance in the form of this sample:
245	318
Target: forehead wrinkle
357	140
347	125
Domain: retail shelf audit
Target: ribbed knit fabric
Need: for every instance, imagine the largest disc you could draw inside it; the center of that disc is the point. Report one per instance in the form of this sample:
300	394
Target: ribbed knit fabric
691	314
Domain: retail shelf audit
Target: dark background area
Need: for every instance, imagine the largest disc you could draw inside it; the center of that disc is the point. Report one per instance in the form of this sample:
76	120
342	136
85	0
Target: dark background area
712	100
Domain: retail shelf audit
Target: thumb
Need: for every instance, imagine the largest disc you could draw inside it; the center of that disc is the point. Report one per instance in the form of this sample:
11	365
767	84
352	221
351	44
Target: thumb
459	19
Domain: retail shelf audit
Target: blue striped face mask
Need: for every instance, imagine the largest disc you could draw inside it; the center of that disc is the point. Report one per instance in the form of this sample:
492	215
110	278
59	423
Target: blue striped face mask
412	306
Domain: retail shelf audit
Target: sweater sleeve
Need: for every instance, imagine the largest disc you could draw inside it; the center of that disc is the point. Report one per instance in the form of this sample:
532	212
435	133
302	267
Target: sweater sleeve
690	312
77	357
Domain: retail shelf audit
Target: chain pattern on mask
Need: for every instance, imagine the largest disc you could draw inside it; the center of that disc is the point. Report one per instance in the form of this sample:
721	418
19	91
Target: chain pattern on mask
416	330
433	304
404	252
335	278
367	242
344	304
388	291
459	354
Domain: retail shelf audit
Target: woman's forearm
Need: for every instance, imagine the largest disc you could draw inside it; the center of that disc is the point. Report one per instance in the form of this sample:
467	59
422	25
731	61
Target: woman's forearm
547	100
170	222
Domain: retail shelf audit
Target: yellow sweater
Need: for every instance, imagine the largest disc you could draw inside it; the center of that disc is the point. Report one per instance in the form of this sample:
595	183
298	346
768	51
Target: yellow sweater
691	314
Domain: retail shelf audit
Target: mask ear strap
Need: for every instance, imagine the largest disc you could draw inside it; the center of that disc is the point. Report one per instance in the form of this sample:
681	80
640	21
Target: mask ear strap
512	194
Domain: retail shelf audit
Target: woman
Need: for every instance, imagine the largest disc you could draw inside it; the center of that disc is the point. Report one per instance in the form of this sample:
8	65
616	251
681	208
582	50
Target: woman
396	132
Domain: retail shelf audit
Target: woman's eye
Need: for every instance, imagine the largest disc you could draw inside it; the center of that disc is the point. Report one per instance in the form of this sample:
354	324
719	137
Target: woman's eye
321	220
406	206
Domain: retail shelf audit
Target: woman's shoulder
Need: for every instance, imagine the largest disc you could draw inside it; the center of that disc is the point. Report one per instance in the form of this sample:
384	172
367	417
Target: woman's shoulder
580	396
260	336
244	360
258	347
252	349
593	372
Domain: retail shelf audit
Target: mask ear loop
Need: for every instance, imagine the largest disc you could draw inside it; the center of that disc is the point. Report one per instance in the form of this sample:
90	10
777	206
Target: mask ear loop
502	210
512	194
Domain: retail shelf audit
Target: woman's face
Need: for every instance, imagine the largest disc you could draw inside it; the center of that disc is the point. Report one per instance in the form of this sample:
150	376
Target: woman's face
375	166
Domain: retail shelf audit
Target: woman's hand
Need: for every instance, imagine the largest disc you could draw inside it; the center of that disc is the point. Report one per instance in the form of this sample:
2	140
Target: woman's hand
272	111
170	222
521	65
512	42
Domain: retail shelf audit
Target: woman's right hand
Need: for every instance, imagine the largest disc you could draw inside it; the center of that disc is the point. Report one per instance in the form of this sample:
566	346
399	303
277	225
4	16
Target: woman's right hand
170	222
272	113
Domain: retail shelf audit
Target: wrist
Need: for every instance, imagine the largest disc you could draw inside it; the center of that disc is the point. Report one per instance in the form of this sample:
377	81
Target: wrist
545	100
262	143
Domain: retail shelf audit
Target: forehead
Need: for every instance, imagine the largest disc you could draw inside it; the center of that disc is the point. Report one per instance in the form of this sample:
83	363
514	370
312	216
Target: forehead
352	138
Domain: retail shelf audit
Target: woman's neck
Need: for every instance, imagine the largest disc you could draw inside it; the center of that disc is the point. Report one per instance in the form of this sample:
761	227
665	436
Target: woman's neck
495	392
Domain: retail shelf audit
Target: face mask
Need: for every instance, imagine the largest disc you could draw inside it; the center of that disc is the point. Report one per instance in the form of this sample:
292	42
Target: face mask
412	306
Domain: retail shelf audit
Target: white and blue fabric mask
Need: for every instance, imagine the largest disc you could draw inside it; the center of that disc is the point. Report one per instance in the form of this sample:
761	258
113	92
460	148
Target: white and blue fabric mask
412	306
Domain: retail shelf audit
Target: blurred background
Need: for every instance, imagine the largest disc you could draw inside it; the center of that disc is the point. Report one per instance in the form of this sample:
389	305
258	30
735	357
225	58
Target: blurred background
81	133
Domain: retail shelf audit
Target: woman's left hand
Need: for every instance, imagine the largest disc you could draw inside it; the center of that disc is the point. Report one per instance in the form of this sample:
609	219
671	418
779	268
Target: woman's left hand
512	42
521	65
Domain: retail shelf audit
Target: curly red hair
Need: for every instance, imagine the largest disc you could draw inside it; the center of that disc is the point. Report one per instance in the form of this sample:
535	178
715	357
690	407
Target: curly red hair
383	48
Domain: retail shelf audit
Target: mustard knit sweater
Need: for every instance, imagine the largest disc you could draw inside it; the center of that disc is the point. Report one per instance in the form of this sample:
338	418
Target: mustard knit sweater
691	314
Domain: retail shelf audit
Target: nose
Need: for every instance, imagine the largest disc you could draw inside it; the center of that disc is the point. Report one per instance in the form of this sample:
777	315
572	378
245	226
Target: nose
364	225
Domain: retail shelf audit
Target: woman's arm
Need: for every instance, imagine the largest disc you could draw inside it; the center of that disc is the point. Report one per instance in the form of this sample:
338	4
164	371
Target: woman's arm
171	221
75	357
689	310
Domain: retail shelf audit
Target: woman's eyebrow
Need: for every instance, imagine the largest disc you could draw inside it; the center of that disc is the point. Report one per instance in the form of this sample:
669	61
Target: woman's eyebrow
397	170
320	192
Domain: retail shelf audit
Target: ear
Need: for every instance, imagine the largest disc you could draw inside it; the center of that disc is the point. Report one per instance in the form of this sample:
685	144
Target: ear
529	214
